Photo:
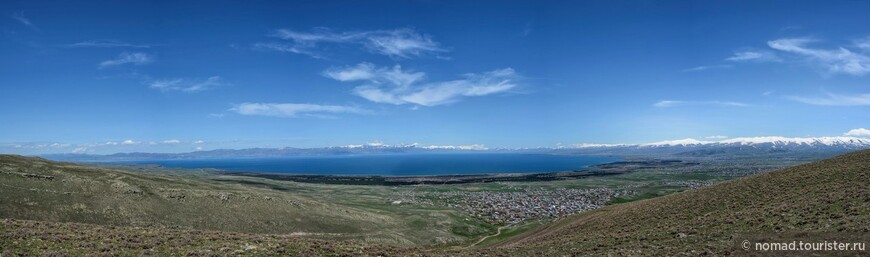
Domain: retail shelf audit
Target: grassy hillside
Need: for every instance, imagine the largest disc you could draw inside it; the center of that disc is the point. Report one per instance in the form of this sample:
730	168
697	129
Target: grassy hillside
141	213
37	189
40	238
831	195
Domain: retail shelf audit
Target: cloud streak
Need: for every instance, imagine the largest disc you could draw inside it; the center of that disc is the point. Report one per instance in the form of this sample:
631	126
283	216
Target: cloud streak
288	48
676	103
862	43
107	44
397	86
753	55
398	43
19	16
834	61
706	67
831	99
187	85
368	72
291	110
128	58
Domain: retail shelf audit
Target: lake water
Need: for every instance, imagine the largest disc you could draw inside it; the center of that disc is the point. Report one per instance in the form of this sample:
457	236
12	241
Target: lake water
398	164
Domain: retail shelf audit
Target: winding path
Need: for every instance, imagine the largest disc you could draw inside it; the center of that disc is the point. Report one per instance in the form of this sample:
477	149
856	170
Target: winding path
484	238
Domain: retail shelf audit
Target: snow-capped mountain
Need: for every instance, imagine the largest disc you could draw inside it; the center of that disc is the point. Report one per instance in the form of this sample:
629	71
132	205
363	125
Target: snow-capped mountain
678	142
855	142
774	141
810	141
738	146
380	145
683	147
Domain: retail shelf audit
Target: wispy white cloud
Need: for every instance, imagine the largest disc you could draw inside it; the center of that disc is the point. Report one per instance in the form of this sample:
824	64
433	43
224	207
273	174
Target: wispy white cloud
862	43
19	16
107	43
128	58
171	141
675	103
35	145
198	142
456	147
527	29
378	95
368	72
858	132
381	144
129	142
288	48
402	43
706	67
187	85
474	85
831	99
397	86
839	60
289	110
678	142
753	55
716	137
667	103
594	145
399	43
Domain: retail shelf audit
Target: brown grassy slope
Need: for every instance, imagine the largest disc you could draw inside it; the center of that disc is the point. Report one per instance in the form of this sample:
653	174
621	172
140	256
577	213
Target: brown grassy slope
38	189
831	195
41	238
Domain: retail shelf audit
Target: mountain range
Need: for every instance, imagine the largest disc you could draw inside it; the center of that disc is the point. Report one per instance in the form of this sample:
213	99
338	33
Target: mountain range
682	147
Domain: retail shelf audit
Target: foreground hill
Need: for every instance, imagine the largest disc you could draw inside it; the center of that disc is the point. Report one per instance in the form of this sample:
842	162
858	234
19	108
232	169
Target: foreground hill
826	196
831	195
45	197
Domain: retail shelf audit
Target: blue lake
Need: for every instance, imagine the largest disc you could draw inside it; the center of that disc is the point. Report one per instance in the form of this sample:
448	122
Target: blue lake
398	164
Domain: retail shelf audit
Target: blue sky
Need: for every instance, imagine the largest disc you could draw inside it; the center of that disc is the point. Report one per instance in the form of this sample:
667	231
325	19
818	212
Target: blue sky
174	76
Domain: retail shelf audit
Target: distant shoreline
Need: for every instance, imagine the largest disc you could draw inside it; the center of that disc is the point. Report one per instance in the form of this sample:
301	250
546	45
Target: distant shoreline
597	170
420	179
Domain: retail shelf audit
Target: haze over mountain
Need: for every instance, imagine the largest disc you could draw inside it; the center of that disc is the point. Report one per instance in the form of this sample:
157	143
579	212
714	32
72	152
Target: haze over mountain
826	146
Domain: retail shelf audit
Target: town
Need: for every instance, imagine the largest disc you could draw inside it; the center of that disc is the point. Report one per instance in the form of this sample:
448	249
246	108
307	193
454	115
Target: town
501	207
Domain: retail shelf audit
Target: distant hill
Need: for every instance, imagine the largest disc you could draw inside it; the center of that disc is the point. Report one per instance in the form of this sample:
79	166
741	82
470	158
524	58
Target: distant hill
831	195
258	153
